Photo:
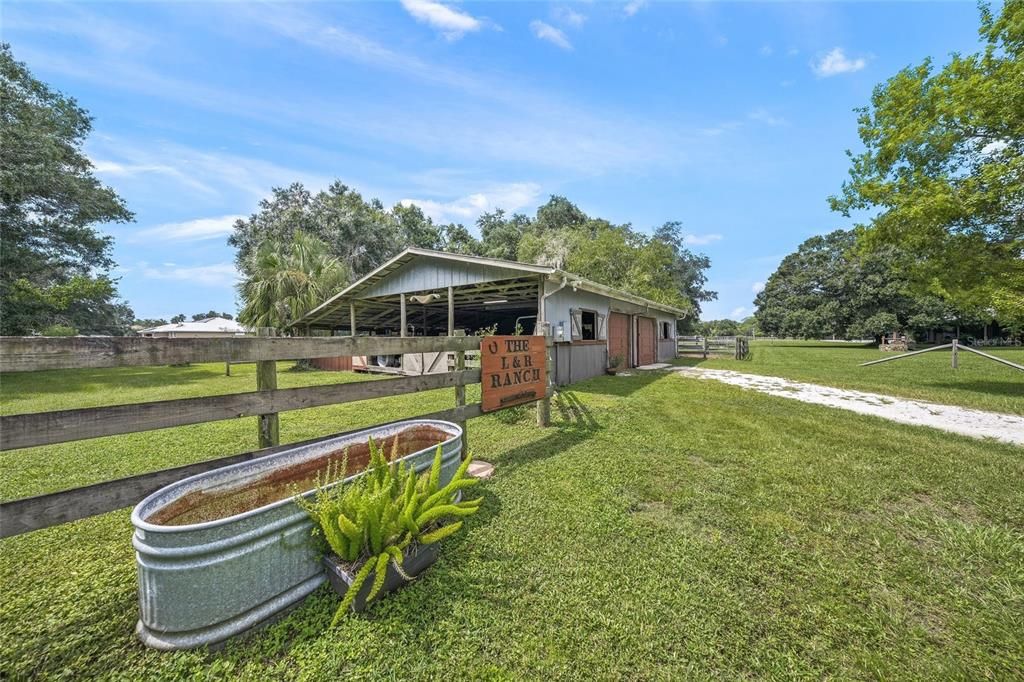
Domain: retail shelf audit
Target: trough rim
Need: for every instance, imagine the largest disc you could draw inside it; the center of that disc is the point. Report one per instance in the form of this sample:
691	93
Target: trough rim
142	525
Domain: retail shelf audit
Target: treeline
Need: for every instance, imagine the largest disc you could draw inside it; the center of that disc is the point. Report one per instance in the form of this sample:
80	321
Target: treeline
298	240
832	288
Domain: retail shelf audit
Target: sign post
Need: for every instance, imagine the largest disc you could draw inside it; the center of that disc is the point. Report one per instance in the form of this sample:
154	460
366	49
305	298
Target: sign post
513	371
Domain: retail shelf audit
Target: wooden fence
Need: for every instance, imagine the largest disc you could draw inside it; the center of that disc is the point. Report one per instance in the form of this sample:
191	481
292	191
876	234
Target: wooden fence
737	346
27	354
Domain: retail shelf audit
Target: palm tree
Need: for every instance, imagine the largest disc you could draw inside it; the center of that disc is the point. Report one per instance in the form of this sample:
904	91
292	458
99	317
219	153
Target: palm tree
286	280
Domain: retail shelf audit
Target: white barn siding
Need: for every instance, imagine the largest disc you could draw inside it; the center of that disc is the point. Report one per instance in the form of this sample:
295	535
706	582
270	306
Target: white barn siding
425	274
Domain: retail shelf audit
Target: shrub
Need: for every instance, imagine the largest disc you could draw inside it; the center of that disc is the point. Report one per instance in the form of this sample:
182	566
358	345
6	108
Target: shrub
375	519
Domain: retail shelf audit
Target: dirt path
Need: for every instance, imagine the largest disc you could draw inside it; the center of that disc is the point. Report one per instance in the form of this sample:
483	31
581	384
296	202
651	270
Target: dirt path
963	420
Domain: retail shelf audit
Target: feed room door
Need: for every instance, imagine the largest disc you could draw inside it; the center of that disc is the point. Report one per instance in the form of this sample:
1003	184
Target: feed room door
618	339
646	351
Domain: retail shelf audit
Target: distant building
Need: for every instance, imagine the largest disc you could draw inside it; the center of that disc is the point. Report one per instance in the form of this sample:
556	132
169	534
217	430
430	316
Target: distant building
211	327
421	292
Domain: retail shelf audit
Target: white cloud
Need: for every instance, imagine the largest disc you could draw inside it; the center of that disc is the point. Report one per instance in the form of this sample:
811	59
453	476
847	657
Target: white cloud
762	115
738	313
472	119
190	230
766	50
550	33
569	17
701	239
511	197
994	147
758	287
214	275
836	62
452	23
215	175
634	6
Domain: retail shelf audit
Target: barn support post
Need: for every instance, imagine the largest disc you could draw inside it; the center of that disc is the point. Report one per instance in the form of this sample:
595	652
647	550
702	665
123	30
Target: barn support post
352	318
266	380
544	404
402	318
460	364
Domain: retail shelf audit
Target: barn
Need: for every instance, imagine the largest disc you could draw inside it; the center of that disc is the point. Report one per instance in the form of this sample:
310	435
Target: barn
433	293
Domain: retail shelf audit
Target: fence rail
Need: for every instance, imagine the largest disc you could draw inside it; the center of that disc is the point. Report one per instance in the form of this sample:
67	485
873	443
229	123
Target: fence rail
47	428
25	354
32	353
737	346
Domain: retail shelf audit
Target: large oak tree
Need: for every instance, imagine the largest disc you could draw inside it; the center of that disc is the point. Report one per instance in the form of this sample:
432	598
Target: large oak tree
943	170
54	264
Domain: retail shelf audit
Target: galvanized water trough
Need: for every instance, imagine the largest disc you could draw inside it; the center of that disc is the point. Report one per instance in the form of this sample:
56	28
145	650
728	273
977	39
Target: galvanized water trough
220	552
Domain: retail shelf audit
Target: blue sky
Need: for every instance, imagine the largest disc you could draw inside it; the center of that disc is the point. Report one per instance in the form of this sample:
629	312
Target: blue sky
730	117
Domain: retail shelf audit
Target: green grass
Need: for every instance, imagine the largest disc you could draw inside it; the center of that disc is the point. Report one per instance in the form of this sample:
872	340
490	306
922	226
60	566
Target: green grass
663	528
978	383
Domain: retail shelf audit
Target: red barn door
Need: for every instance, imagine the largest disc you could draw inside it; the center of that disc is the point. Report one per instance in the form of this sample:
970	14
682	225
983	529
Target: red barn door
645	341
618	339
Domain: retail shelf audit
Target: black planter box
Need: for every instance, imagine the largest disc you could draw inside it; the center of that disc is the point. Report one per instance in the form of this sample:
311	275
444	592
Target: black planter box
414	564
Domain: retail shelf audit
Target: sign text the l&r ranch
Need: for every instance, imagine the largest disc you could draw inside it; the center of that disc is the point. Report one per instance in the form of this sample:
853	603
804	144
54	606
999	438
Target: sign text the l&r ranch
513	371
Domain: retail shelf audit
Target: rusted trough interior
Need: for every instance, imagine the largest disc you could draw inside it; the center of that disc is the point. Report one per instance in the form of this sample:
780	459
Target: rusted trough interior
202	506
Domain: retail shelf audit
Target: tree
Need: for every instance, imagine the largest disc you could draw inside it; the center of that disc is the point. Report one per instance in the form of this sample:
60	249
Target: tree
456	238
658	267
54	265
943	166
178	319
361	234
829	287
500	236
719	328
148	322
208	315
287	279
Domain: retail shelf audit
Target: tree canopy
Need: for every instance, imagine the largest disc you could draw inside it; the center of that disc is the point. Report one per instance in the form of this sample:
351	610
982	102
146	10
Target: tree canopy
287	279
54	264
829	287
943	170
363	234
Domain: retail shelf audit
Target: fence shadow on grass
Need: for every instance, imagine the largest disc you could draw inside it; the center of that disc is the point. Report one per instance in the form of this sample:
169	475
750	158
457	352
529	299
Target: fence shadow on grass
620	385
1012	386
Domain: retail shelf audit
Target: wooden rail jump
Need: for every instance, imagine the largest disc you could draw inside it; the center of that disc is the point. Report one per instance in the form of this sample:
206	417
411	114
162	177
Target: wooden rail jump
955	348
28	354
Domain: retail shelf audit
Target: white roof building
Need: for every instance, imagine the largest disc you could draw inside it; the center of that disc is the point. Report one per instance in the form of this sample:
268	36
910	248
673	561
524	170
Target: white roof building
210	327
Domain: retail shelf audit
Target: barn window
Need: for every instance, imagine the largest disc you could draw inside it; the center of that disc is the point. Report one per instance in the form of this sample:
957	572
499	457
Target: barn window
588	325
666	330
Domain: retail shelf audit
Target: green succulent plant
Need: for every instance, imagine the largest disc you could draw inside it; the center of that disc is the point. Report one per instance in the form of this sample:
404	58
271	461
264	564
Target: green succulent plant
371	521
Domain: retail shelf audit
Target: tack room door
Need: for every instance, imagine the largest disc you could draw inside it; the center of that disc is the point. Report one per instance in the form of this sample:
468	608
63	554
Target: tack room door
618	339
646	350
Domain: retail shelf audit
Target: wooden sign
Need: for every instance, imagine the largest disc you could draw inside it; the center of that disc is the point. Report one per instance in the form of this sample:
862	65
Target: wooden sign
513	371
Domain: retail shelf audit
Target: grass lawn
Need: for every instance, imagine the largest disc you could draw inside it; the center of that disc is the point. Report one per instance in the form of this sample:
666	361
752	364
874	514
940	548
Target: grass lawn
663	528
978	383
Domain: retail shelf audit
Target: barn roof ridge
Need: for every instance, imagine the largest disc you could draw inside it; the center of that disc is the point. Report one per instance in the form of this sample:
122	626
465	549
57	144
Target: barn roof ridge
408	255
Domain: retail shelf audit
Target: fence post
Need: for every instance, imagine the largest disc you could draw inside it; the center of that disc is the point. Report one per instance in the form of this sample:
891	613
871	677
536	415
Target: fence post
956	360
705	344
544	404
266	380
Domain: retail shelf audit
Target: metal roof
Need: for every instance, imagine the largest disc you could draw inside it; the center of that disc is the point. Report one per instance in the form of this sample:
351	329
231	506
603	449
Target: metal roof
368	281
217	325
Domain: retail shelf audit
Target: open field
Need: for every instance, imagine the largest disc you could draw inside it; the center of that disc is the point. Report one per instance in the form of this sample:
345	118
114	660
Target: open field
978	383
664	528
